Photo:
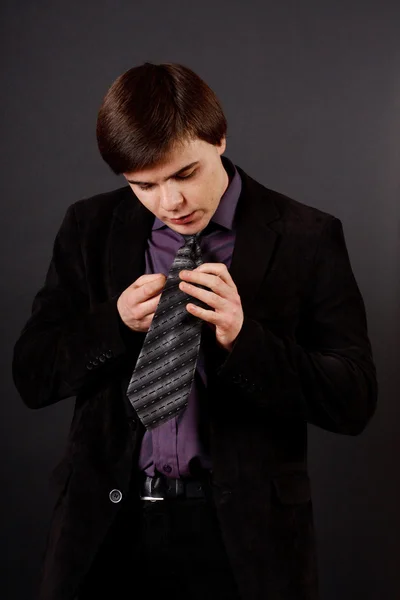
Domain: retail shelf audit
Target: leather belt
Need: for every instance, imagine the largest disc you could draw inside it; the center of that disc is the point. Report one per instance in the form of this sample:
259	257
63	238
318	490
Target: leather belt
161	487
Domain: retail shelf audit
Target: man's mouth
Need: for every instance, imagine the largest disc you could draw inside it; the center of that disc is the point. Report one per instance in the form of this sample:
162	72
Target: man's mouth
183	219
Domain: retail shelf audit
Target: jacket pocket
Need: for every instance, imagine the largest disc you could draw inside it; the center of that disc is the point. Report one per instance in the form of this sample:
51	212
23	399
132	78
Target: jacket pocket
291	488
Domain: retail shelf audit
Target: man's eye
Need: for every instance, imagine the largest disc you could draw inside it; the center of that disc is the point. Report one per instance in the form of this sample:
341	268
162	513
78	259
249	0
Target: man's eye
186	176
145	187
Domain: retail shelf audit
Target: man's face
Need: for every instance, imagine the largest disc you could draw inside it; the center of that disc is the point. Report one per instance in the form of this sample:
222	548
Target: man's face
191	181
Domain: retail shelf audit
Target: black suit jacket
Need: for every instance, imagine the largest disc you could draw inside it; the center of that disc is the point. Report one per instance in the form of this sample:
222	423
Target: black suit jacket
302	356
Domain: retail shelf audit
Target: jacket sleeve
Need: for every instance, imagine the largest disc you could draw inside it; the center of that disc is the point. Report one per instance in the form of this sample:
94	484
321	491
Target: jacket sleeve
67	343
324	375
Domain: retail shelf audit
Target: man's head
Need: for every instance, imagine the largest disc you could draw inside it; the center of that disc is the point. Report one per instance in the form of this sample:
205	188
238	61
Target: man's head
154	121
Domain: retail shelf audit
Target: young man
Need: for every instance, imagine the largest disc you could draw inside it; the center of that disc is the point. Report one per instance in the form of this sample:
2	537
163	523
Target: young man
196	489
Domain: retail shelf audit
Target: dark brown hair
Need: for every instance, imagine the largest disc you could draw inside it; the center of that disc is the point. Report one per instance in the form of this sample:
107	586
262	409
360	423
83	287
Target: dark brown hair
150	109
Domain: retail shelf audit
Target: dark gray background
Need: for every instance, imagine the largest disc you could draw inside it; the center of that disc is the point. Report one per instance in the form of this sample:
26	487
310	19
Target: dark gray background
311	91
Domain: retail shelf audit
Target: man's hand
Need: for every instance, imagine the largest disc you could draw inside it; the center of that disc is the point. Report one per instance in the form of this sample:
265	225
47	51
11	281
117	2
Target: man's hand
137	304
227	316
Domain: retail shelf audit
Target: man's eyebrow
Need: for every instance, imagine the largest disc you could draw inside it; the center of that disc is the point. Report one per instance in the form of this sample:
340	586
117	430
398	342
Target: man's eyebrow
196	162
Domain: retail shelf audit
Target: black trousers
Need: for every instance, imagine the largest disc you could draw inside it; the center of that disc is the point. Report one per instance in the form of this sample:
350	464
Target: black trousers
170	548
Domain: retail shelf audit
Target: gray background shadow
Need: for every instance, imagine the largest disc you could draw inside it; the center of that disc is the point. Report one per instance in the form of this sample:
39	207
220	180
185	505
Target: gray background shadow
311	91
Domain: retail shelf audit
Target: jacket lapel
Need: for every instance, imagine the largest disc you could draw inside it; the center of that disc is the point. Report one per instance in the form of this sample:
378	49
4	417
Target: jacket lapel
255	239
130	228
254	245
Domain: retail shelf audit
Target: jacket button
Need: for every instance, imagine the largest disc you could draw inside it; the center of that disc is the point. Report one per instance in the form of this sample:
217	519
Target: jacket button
109	353
89	366
115	496
95	362
102	358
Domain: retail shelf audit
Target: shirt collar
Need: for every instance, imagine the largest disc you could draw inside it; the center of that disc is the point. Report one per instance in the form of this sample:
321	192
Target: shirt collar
225	213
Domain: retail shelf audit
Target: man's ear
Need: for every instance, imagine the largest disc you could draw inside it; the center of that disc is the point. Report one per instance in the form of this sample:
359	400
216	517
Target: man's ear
222	145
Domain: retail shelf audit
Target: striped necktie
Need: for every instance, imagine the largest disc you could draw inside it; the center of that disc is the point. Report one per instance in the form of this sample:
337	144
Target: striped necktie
161	381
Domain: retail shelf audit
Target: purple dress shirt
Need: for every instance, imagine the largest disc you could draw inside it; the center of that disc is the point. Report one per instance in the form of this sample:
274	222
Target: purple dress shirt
170	447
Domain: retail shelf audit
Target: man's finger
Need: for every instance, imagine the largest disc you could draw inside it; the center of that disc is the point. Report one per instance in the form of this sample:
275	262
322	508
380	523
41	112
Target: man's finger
218	269
143	279
148	307
148	290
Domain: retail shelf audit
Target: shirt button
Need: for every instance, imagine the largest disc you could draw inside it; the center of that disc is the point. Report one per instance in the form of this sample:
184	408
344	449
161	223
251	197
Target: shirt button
115	496
167	468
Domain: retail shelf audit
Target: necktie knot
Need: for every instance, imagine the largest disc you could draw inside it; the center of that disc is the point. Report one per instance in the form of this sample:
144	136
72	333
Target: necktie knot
191	238
192	245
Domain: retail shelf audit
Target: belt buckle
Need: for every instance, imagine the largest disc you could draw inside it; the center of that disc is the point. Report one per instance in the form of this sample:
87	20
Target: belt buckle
163	488
151	490
174	488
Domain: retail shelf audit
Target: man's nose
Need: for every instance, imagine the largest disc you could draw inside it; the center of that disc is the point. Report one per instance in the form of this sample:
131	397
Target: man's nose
170	199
